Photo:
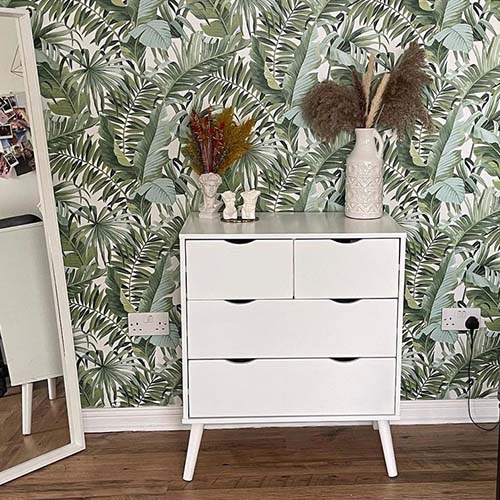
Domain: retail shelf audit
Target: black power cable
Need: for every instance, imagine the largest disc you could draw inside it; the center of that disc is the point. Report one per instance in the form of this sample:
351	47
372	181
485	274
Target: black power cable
472	324
4	373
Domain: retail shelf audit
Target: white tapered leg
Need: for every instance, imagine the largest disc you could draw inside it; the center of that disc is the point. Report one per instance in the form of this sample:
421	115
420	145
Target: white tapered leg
27	404
375	425
192	451
384	429
51	384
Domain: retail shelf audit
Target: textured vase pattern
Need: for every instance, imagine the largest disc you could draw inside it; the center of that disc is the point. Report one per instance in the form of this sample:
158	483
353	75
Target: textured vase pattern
364	186
364	177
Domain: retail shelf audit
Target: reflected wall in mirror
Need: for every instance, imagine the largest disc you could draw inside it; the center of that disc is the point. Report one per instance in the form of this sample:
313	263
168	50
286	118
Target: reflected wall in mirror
32	404
40	417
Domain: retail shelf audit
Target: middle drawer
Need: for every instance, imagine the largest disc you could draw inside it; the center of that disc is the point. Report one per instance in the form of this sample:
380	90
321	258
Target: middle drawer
292	328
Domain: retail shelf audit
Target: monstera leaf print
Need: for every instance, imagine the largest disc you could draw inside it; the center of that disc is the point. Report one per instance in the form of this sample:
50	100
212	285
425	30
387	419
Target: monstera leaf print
119	79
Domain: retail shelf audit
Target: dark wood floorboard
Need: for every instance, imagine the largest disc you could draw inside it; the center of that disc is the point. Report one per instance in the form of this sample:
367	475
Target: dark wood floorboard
455	462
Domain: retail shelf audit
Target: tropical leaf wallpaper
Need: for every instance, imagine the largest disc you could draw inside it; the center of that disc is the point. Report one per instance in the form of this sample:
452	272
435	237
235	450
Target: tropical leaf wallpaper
119	78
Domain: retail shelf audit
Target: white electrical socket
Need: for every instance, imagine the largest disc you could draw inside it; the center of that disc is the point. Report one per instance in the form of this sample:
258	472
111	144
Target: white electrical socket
149	323
454	318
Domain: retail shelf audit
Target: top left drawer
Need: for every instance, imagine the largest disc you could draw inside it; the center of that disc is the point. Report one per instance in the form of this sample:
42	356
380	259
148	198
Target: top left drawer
239	269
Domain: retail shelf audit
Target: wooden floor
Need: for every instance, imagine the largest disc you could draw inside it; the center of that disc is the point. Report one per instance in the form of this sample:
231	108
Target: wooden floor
50	428
453	462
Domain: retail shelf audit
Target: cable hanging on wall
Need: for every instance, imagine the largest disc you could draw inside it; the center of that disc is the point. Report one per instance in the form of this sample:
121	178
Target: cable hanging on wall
472	324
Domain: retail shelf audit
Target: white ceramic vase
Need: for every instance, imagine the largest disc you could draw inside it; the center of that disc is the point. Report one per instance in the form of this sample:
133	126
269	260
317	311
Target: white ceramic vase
209	185
365	176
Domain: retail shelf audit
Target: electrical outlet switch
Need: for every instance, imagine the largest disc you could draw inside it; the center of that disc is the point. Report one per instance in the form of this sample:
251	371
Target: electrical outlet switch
454	318
146	324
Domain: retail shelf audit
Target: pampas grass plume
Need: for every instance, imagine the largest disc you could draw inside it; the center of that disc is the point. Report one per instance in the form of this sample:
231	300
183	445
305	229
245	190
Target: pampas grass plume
330	108
367	80
377	101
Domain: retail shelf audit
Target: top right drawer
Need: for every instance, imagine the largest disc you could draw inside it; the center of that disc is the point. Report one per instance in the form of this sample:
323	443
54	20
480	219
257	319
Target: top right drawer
347	269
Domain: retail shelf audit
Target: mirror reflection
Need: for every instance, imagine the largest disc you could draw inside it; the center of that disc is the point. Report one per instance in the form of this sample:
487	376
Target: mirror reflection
33	415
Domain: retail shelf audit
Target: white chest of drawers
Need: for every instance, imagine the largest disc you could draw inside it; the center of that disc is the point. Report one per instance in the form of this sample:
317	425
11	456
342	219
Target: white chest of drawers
294	318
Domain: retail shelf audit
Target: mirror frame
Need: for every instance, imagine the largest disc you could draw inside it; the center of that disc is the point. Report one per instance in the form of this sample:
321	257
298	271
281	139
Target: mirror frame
54	248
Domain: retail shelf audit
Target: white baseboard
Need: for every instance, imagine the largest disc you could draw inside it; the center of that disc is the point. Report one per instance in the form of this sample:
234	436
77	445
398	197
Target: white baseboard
447	411
153	418
145	418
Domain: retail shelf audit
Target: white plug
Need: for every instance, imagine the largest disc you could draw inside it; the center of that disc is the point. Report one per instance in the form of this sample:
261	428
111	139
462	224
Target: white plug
454	318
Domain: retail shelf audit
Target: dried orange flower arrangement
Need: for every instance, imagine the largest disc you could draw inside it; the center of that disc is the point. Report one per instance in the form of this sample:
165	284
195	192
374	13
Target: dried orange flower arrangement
395	102
216	142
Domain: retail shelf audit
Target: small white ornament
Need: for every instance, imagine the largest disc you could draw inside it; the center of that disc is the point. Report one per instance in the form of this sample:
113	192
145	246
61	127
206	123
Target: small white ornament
249	203
209	185
230	211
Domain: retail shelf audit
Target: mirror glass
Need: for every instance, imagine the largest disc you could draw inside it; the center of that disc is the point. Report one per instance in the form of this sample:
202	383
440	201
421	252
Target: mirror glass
33	414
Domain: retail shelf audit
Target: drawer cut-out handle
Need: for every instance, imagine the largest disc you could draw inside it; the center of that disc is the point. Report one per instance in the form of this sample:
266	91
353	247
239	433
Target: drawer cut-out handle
345	301
344	360
239	301
241	360
347	240
239	242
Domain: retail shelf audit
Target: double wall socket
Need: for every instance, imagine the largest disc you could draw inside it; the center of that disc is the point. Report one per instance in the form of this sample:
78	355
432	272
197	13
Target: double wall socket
454	318
146	324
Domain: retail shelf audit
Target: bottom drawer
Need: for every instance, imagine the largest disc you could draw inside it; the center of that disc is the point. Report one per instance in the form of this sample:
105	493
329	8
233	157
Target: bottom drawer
291	387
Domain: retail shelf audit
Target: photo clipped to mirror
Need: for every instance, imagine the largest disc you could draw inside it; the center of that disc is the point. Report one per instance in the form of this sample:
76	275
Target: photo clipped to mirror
16	148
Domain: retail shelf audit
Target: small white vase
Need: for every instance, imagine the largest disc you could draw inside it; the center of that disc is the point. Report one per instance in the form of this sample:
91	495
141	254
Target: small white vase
209	184
365	176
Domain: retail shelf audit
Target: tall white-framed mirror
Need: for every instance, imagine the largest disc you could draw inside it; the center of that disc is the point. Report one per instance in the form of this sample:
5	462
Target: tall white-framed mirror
40	413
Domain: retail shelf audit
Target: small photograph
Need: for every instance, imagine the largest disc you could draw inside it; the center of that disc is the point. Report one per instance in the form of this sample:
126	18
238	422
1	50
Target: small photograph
3	118
6	106
12	101
25	158
19	135
4	145
18	124
5	168
21	115
6	132
11	159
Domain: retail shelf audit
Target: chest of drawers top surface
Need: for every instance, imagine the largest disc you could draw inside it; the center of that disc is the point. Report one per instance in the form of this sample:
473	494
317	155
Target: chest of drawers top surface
294	225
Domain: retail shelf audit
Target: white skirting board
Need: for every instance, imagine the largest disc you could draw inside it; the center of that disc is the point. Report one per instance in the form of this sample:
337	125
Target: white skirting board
153	418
